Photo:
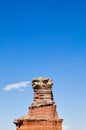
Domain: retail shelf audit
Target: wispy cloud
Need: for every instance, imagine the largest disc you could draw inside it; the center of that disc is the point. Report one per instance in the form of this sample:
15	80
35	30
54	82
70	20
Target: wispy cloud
19	85
66	127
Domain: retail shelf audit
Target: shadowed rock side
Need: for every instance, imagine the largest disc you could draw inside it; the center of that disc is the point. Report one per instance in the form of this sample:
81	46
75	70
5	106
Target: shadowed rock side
42	113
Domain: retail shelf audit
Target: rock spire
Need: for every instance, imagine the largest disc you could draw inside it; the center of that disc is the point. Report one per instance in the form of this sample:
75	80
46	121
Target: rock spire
42	113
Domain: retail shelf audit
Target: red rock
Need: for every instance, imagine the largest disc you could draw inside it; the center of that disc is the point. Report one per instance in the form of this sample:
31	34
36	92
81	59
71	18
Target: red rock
42	113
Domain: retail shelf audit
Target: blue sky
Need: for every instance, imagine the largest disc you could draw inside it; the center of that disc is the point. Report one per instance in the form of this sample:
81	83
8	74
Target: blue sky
43	38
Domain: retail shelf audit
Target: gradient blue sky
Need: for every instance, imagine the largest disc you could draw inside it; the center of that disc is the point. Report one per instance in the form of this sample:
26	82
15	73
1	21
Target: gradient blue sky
43	38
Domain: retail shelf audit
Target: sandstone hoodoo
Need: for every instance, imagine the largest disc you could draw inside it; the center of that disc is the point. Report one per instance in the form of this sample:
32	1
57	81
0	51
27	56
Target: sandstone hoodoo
42	113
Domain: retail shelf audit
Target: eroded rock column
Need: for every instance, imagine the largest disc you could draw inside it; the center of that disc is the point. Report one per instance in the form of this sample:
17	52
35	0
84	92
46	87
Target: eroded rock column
42	113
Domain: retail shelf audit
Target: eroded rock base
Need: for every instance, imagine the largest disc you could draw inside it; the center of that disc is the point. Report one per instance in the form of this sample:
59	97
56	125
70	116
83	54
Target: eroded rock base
41	125
42	118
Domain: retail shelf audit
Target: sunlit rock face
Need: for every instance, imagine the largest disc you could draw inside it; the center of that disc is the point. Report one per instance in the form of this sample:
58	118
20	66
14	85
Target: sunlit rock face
42	92
42	113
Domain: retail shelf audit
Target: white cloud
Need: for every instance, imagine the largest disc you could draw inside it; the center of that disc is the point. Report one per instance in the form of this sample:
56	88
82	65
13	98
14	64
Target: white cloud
19	85
66	127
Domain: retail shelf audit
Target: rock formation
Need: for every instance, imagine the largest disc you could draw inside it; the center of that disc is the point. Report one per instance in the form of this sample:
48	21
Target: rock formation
42	113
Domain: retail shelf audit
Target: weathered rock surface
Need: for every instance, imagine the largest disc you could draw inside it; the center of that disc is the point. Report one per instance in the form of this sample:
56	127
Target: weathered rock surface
42	92
42	113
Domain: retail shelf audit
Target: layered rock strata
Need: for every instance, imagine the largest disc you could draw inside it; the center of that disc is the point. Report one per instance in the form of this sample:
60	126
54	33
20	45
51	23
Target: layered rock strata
42	113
